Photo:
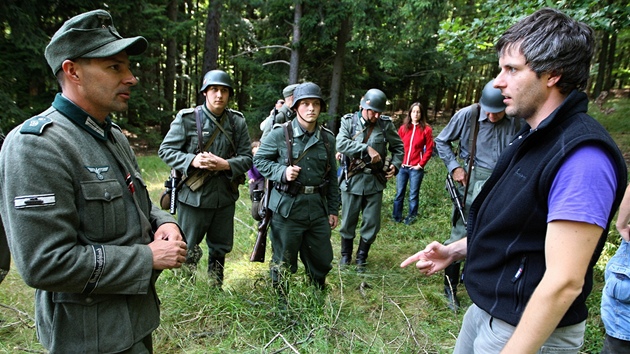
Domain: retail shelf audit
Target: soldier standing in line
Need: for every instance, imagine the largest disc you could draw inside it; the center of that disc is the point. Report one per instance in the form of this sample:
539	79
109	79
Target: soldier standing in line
493	132
305	197
283	114
364	139
210	146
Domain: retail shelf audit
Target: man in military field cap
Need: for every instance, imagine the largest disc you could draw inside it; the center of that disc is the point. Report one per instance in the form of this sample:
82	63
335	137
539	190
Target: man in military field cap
282	114
90	35
87	236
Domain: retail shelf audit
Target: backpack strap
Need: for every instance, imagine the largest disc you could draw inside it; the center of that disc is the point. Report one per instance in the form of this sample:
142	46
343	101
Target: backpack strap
199	124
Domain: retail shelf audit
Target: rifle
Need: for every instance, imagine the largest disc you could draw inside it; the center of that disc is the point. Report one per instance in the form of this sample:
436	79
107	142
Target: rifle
176	177
345	161
452	190
258	253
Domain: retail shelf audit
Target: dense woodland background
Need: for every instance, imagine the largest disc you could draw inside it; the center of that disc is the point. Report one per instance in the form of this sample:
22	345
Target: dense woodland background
439	52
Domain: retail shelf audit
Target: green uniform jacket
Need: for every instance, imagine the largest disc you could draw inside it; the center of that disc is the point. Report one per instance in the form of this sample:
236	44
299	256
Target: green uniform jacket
180	144
383	138
284	114
75	232
271	161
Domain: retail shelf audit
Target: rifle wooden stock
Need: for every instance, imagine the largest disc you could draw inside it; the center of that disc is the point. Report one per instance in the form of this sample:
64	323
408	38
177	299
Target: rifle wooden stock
260	246
258	253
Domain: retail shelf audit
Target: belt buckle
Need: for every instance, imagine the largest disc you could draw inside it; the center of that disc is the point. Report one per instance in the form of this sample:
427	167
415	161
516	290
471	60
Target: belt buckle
309	189
367	170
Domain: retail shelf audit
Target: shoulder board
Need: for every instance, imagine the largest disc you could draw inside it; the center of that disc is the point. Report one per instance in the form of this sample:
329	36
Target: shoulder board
35	125
327	130
236	112
187	110
116	126
347	116
384	117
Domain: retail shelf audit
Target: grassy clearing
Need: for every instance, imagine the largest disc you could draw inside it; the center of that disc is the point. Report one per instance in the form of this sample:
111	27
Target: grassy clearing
386	310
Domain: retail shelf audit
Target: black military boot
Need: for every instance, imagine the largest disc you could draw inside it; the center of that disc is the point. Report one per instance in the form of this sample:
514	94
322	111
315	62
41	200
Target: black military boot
215	270
362	254
346	251
451	279
281	288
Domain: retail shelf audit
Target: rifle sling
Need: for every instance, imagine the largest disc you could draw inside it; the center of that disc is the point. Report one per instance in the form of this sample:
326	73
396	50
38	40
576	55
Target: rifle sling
474	131
288	139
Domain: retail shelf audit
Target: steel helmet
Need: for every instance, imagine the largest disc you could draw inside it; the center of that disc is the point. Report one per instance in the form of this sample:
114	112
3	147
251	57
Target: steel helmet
217	77
308	90
491	99
375	100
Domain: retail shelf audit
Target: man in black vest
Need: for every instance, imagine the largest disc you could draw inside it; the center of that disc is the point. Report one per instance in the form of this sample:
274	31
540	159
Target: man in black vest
539	224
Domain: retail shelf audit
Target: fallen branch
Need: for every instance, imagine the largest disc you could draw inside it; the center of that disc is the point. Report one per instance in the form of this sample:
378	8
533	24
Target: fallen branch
292	346
413	334
21	314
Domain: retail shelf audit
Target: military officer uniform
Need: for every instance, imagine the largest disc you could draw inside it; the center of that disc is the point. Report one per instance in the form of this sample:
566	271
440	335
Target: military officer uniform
211	207
79	219
300	222
361	188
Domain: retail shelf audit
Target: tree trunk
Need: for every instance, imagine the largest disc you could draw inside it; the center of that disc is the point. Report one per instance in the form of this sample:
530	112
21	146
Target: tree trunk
343	36
295	44
211	44
601	72
170	70
612	47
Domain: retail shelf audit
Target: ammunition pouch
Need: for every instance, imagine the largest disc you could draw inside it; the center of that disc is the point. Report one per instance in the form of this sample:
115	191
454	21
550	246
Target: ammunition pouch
292	188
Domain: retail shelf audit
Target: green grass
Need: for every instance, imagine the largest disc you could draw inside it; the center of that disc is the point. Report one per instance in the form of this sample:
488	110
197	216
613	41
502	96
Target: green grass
386	310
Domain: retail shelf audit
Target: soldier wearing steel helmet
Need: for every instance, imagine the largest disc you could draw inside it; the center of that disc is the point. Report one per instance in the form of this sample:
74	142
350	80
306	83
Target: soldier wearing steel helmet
495	131
208	210
305	197
364	138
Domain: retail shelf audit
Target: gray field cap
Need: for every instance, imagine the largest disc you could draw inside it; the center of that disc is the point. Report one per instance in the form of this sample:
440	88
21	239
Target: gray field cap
288	91
89	35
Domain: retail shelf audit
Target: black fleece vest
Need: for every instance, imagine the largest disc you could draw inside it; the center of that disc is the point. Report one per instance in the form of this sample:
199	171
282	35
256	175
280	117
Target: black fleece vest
508	220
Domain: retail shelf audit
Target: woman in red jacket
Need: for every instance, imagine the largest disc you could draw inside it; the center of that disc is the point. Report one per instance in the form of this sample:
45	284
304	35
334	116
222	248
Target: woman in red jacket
417	137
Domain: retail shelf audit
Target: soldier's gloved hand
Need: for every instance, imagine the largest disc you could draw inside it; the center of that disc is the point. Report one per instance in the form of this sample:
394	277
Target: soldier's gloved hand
292	173
374	155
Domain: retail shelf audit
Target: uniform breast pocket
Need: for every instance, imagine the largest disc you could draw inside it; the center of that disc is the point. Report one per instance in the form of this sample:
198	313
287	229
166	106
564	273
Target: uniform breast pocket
104	216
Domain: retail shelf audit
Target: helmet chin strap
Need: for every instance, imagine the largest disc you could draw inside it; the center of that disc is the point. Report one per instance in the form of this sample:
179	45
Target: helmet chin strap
300	118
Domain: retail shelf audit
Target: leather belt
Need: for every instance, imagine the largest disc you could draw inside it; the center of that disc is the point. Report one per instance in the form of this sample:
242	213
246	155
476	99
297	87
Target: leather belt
310	189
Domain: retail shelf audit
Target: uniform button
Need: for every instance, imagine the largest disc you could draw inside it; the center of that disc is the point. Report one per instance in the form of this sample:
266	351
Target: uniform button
88	300
107	196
